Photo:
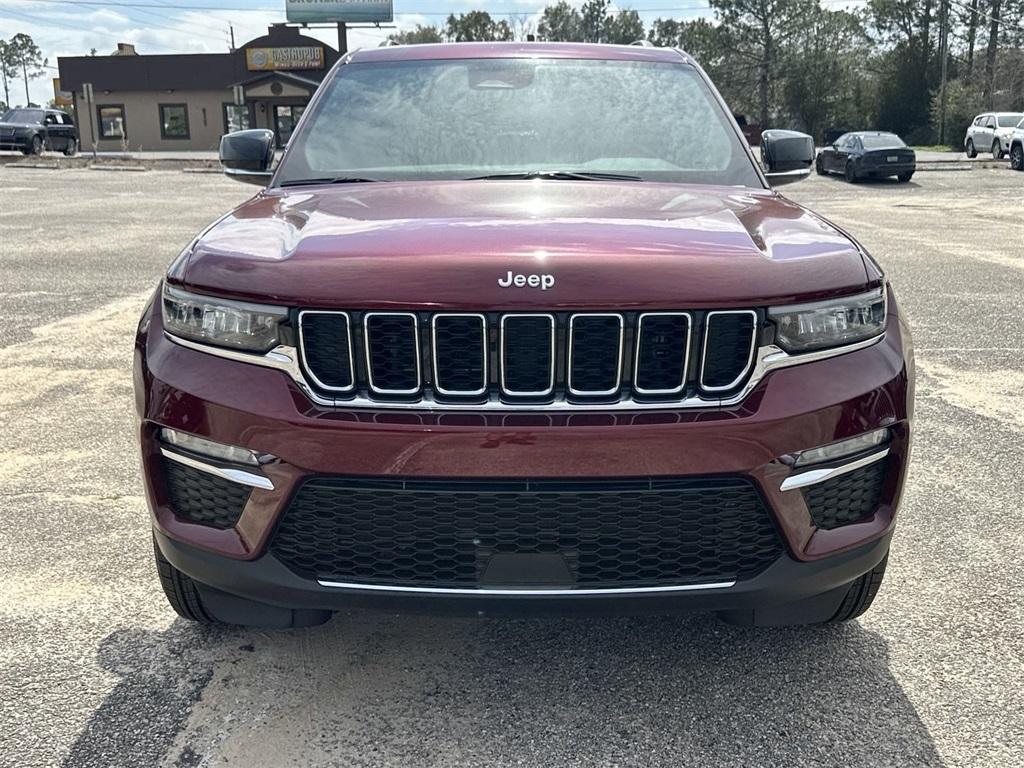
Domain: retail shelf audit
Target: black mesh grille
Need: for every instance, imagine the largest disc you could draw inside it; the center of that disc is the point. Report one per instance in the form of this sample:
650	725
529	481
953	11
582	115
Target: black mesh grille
727	351
460	349
202	497
393	356
442	534
325	344
526	363
596	341
661	354
847	498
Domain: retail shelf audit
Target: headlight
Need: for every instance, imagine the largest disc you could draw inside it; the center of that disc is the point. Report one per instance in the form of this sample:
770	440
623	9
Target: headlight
805	327
223	323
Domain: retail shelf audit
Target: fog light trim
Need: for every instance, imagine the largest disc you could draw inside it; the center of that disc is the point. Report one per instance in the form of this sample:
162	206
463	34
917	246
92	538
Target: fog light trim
815	476
239	476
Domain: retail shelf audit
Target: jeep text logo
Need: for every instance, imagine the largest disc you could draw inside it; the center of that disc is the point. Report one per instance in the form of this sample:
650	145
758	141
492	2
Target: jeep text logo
521	281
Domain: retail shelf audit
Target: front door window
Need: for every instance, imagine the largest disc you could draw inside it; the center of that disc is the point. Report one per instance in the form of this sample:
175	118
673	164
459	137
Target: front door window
285	119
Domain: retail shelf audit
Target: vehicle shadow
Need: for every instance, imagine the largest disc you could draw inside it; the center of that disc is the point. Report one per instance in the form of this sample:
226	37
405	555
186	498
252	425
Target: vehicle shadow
368	689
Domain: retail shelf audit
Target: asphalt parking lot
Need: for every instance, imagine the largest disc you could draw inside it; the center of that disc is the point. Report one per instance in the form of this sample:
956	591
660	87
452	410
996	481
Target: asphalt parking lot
97	671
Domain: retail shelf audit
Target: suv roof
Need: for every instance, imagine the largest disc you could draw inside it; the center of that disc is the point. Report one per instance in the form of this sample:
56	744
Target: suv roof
517	50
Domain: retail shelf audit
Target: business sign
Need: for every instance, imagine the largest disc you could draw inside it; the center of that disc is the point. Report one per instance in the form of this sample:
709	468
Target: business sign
293	57
349	11
61	98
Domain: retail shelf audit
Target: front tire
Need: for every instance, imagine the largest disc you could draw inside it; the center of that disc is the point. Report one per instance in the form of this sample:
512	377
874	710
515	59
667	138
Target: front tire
861	595
181	591
72	148
35	147
1017	157
819	167
851	173
972	151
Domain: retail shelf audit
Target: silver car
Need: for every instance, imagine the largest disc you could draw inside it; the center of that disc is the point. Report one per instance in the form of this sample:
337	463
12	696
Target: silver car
991	132
1017	147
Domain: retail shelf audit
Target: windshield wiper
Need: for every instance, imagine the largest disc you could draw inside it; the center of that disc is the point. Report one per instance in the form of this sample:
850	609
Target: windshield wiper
328	180
560	176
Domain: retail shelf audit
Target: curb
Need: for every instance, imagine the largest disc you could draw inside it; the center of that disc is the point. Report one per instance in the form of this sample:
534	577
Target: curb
131	168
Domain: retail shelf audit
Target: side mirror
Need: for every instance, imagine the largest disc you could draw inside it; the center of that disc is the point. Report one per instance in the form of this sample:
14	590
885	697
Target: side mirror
787	156
248	155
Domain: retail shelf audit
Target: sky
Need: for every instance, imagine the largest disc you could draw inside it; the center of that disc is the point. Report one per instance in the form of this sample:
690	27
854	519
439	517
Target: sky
73	27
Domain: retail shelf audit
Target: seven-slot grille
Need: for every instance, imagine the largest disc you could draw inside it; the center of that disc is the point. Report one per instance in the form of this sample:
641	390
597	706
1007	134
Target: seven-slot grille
528	357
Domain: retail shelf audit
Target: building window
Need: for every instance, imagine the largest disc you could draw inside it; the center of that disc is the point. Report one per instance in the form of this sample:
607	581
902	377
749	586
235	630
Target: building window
236	118
111	120
174	121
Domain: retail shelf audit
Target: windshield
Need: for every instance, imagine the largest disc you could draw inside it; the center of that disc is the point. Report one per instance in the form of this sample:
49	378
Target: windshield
1009	121
456	119
22	116
882	141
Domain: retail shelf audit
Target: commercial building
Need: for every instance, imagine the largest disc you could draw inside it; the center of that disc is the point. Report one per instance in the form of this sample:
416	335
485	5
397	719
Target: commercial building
188	101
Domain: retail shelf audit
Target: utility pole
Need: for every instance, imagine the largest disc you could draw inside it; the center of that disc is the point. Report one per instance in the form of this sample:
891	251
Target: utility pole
342	38
232	28
944	53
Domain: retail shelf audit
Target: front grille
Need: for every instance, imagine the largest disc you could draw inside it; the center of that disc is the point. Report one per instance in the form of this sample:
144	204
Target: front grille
203	498
392	352
529	358
731	334
847	498
609	534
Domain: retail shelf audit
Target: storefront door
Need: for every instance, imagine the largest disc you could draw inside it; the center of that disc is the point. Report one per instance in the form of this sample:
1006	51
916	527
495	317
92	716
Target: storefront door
286	116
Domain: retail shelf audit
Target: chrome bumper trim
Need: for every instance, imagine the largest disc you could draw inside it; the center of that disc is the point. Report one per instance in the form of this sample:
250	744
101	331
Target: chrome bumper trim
225	473
285	358
492	592
815	476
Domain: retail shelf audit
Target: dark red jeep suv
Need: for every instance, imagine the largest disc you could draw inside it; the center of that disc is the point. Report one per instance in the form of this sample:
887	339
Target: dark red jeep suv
522	328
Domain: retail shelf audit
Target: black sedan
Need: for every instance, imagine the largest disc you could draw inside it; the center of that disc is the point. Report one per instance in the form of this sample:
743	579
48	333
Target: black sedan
32	130
864	154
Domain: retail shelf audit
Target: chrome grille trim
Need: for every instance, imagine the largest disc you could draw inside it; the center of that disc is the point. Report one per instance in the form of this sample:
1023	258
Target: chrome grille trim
369	361
485	352
704	348
351	356
618	365
285	358
554	353
686	354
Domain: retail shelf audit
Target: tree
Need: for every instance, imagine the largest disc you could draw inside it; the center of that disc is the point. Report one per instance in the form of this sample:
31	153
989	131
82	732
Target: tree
594	17
8	70
624	27
760	30
420	34
476	26
561	23
25	56
823	70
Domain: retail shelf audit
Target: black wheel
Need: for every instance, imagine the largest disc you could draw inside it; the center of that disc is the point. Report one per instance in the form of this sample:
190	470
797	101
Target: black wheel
181	591
851	172
35	147
972	151
819	167
72	148
903	178
861	595
1017	157
997	151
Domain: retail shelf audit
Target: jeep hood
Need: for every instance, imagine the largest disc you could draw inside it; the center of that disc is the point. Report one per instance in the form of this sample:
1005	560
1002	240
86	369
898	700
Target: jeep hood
446	244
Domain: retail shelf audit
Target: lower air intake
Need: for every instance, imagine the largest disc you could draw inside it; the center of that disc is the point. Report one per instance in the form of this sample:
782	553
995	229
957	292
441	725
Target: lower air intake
609	533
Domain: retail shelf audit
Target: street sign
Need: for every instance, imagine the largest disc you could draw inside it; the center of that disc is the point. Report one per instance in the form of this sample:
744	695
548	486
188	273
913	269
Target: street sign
347	11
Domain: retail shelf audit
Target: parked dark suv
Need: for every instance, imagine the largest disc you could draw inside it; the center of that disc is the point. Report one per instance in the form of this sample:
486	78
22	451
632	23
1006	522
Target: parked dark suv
522	328
32	130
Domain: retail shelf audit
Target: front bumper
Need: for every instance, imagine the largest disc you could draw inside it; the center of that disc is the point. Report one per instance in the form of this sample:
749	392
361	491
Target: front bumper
261	409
